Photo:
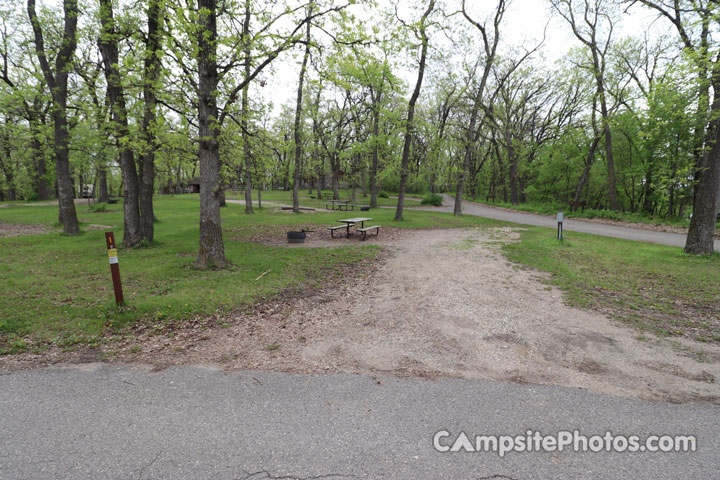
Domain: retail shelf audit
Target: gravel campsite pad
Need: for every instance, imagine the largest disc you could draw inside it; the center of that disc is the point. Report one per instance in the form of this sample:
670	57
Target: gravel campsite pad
441	303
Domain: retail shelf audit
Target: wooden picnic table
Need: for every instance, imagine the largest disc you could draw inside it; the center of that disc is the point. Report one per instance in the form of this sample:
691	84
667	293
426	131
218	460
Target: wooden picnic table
339	204
352	221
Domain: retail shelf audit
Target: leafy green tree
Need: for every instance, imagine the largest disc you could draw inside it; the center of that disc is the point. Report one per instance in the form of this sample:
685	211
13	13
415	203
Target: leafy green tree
57	81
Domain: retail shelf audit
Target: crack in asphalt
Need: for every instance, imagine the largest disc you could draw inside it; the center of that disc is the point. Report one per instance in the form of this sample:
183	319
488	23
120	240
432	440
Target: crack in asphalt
144	468
269	476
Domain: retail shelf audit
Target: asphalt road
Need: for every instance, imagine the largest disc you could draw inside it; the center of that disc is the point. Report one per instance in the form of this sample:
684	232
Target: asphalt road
477	209
99	421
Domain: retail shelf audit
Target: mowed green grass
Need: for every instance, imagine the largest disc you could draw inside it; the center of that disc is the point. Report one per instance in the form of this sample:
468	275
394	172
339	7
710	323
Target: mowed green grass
56	289
655	288
306	200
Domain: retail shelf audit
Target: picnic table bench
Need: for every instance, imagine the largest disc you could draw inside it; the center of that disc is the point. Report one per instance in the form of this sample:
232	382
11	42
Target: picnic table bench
369	229
340	205
338	227
351	222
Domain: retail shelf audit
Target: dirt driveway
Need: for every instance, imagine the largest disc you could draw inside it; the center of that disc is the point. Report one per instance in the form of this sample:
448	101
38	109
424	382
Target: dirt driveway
446	303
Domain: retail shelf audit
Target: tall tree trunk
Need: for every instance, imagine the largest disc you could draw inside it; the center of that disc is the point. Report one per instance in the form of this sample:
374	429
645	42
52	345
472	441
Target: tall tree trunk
109	49
648	189
38	150
469	139
102	185
589	160
320	178
411	112
513	170
335	166
245	111
490	52
41	186
375	151
612	187
298	118
153	67
57	83
707	187
6	164
211	252
700	239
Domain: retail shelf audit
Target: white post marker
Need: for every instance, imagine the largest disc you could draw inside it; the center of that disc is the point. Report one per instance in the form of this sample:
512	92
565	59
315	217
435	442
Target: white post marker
560	225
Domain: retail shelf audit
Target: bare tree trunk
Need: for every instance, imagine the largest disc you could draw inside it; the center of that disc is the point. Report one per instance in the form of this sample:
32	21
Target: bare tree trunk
375	155
411	111
323	183
102	184
245	111
57	84
648	189
211	252
6	164
612	188
490	52
335	166
41	183
298	118
152	73
109	49
590	16
700	239
41	186
513	170
589	160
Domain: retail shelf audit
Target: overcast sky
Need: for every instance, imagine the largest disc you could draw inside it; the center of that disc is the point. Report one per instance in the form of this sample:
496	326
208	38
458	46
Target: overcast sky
523	25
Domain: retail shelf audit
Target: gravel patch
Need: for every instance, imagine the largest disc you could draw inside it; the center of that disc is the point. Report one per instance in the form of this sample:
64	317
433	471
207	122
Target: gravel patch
441	303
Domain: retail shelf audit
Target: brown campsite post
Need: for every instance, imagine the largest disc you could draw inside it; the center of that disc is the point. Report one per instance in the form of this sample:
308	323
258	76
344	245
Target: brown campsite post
114	267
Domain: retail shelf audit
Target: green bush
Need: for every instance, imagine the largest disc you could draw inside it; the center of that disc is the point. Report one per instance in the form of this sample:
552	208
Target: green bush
383	194
98	207
432	199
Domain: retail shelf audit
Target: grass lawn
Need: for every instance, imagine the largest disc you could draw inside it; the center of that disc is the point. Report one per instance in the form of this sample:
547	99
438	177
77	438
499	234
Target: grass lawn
653	287
285	197
56	289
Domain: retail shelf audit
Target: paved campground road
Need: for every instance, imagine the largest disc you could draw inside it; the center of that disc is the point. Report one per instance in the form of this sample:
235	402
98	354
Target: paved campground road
103	421
480	210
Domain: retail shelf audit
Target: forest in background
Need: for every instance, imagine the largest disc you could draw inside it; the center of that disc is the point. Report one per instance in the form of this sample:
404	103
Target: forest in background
141	98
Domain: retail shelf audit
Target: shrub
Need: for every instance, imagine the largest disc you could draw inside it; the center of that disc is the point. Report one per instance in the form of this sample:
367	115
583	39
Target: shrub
383	194
432	199
98	207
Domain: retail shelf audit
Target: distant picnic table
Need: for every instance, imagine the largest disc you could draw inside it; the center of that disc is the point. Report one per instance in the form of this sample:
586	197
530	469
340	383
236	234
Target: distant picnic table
346	205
